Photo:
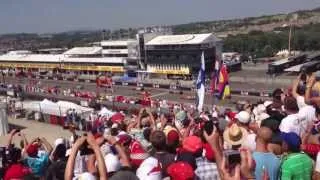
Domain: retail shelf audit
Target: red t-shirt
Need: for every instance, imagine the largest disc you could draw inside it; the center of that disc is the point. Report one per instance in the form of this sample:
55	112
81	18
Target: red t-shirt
16	171
311	149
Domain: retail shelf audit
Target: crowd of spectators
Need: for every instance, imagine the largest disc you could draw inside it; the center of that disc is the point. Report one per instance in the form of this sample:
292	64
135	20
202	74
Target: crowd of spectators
273	139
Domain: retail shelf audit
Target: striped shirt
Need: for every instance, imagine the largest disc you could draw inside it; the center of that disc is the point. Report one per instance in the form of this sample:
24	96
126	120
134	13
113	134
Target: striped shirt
296	166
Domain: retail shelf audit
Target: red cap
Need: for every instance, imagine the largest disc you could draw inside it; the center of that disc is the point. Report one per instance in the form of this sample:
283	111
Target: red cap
231	115
124	138
137	153
180	171
117	118
172	136
97	135
192	144
32	150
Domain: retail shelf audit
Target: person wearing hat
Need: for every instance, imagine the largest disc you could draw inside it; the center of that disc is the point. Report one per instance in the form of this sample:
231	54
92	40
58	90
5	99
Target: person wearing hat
181	171
243	119
204	169
235	135
173	139
38	161
296	164
15	169
149	169
306	112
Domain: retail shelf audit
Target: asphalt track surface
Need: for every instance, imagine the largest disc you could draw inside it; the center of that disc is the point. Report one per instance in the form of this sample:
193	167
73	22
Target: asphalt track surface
130	91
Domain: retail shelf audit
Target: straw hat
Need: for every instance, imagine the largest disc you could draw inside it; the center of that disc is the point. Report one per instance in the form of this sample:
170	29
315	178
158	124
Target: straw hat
234	135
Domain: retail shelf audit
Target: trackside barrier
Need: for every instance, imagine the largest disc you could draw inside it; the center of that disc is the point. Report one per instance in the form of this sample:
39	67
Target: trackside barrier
161	86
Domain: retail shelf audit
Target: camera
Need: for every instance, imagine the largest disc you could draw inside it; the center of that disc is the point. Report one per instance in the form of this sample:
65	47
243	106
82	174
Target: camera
232	157
84	149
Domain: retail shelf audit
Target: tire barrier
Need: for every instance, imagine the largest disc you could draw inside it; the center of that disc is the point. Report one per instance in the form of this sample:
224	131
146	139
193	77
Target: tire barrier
156	86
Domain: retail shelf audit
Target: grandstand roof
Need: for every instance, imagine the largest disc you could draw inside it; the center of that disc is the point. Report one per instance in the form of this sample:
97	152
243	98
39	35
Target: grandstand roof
117	43
44	58
83	50
95	60
182	39
31	57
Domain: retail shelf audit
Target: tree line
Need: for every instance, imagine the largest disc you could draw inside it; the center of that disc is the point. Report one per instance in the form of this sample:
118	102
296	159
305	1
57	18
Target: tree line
266	44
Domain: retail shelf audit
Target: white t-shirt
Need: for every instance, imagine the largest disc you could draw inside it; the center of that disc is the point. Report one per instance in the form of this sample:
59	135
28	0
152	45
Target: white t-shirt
250	142
80	164
307	115
317	165
290	124
301	102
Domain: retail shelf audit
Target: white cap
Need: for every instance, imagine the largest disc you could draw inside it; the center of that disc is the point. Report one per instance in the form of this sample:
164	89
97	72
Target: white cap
112	162
243	117
261	108
267	103
262	117
107	132
115	125
149	169
58	142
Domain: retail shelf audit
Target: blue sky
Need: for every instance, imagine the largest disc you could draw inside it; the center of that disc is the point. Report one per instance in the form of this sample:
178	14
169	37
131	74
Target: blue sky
42	16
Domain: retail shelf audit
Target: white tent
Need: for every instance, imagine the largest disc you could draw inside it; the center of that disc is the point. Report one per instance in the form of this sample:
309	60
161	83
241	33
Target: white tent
71	105
106	112
31	105
45	106
59	109
66	105
49	107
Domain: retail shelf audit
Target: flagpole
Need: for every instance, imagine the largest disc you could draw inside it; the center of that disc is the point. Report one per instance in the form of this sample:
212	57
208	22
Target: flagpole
200	85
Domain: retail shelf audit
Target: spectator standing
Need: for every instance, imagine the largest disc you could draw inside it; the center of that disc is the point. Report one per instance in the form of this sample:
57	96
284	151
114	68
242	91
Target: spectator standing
291	123
38	161
56	169
296	165
264	159
158	141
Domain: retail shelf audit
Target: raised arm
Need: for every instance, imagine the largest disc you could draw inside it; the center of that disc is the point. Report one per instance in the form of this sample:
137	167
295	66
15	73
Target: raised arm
47	145
139	118
11	134
71	160
295	87
120	150
24	138
214	141
310	84
153	123
98	156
